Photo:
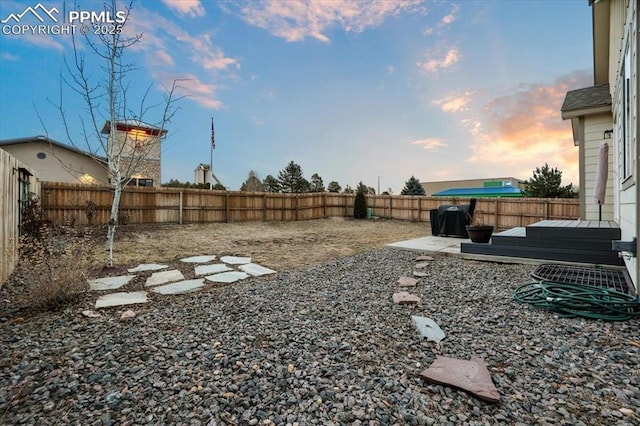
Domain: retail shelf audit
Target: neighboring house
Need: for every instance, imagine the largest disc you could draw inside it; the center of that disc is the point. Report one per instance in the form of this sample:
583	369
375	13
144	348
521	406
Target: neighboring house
589	110
53	161
615	63
490	191
432	188
140	146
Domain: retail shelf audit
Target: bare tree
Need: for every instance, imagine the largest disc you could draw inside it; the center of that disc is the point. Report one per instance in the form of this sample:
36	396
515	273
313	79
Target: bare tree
105	130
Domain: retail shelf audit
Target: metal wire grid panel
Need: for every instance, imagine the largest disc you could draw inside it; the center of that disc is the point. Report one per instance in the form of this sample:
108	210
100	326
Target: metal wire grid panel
614	279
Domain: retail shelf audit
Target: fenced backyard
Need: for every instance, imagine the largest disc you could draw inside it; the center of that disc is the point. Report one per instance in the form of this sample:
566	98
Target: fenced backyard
63	202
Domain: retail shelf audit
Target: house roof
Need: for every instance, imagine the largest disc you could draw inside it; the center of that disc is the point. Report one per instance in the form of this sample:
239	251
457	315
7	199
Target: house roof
40	138
501	191
588	100
133	124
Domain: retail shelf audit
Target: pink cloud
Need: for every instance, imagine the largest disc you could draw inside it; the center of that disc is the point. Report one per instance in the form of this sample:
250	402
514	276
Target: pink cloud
190	8
295	20
523	129
430	143
455	102
450	58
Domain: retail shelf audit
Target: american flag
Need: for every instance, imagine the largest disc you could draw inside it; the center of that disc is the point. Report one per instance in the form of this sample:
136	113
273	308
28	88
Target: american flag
213	136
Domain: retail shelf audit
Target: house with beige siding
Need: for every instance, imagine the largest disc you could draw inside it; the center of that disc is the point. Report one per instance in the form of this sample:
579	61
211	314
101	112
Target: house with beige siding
608	111
54	161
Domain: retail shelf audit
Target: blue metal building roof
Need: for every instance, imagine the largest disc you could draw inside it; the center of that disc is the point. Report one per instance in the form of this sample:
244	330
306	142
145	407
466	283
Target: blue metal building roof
502	191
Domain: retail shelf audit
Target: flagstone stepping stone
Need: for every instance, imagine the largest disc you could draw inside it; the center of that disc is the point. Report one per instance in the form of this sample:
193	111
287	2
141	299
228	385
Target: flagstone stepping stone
121	298
405	298
419	274
198	259
109	283
212	269
406	282
235	260
180	287
424	258
421	265
158	278
256	270
228	277
471	376
147	267
428	328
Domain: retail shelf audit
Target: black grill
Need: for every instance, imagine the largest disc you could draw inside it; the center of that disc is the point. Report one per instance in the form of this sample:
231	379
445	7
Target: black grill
614	279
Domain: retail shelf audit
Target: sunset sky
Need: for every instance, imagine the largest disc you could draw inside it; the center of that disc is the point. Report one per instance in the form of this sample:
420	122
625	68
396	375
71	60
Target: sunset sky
353	91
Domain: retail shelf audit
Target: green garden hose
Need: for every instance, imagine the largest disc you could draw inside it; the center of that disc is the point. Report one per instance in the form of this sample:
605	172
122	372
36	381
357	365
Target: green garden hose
571	300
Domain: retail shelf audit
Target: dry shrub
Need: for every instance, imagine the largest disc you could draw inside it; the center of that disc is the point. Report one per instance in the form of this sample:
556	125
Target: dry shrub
55	260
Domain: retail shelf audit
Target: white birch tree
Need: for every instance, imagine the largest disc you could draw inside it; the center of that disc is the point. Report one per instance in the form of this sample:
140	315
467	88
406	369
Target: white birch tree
106	96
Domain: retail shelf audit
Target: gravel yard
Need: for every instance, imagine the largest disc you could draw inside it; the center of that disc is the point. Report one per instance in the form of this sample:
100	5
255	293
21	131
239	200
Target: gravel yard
321	344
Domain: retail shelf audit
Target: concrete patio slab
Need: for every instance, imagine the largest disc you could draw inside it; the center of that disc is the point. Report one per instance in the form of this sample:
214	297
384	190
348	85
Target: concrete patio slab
181	287
109	283
235	260
147	267
212	269
228	277
121	298
256	270
431	244
158	278
198	259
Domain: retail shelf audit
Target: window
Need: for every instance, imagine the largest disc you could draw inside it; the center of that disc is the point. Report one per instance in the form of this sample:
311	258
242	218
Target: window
627	160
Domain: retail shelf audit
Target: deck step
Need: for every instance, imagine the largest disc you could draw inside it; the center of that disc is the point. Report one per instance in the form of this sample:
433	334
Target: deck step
545	253
574	229
581	241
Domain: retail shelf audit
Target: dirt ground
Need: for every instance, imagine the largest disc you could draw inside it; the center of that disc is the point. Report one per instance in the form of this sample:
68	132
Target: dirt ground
278	245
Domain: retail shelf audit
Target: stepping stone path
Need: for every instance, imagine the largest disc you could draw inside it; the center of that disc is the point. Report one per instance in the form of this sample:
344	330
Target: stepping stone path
173	281
471	376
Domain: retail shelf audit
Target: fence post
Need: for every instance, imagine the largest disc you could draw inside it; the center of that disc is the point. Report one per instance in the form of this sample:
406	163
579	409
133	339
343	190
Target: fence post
546	209
497	214
180	209
296	207
390	207
264	207
226	207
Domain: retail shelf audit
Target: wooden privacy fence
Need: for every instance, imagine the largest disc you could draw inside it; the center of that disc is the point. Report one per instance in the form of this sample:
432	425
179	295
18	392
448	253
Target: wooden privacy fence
65	202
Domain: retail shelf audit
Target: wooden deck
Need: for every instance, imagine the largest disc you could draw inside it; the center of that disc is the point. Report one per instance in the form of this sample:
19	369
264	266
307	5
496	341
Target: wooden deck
584	241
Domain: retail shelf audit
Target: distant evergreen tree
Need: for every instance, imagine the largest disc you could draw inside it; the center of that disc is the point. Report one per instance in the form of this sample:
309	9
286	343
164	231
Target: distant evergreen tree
334	186
546	183
316	183
271	184
253	183
348	190
360	203
412	187
291	179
